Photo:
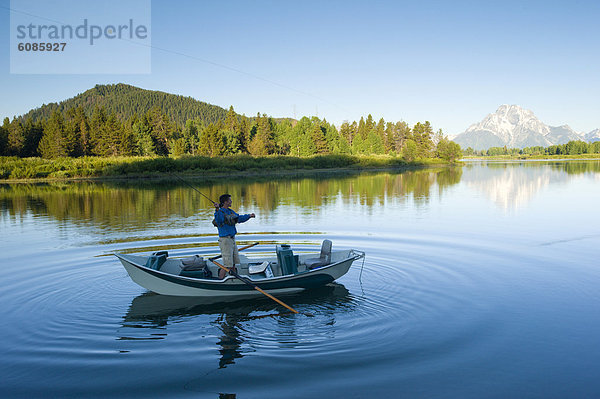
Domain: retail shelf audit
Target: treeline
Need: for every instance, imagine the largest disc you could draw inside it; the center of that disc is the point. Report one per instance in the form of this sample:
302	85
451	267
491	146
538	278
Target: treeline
72	133
574	147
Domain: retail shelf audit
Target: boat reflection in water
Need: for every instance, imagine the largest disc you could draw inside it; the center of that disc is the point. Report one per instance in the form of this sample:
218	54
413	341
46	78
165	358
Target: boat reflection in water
233	319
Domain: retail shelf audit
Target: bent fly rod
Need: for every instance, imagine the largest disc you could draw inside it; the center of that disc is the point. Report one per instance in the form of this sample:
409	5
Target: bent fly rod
193	188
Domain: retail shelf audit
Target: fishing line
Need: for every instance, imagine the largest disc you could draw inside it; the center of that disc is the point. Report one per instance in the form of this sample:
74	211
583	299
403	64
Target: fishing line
193	188
360	276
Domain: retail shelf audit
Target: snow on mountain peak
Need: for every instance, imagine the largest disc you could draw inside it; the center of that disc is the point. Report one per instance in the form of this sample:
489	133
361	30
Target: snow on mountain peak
516	127
594	135
510	123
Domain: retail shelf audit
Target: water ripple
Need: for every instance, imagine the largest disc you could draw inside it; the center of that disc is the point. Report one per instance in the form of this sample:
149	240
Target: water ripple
84	308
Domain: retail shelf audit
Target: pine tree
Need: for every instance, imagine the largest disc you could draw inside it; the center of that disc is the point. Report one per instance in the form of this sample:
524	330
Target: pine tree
231	121
97	122
257	146
306	145
232	142
374	144
54	142
410	151
160	127
263	141
358	145
16	138
333	138
127	145
142	136
362	129
422	133
345	132
282	137
353	131
33	135
377	143
402	133
4	137
369	125
245	131
319	139
380	128
85	137
218	146
437	137
178	147
79	131
344	146
204	141
211	141
388	138
111	137
296	137
190	137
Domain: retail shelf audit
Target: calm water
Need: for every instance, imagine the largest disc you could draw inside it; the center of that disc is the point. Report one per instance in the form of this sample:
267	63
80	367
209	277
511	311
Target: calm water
480	281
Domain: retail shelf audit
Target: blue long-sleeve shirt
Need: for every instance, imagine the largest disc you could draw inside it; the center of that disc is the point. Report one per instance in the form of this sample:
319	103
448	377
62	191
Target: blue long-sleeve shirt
226	229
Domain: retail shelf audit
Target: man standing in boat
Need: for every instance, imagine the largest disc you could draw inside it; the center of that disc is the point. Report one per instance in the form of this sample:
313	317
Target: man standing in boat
225	220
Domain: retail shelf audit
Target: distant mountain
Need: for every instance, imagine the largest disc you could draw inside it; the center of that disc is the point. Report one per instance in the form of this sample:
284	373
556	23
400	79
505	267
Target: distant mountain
515	127
125	100
562	134
592	136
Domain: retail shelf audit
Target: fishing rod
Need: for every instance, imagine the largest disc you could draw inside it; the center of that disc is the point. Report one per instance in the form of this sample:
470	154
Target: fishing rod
193	188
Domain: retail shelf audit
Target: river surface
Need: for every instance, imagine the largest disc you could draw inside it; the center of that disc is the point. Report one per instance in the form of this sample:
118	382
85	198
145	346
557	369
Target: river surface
481	281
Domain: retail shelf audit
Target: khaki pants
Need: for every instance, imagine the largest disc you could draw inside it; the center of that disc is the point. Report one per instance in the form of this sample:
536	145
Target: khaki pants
229	251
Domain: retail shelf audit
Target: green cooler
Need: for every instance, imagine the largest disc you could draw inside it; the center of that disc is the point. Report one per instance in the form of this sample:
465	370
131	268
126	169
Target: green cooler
287	259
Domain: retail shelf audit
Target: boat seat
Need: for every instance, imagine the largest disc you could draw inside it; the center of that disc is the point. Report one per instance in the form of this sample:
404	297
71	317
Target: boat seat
323	259
258	268
156	260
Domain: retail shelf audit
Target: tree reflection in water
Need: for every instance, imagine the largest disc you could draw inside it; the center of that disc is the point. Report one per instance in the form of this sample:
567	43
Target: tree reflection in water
135	205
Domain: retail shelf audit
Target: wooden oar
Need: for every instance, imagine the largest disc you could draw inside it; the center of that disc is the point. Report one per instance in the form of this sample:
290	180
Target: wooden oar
241	249
257	288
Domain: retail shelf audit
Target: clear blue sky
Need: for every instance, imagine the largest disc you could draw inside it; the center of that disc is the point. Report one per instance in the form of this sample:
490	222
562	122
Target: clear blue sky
449	62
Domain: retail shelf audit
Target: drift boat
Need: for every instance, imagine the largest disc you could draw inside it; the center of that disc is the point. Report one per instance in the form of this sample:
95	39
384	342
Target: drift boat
281	274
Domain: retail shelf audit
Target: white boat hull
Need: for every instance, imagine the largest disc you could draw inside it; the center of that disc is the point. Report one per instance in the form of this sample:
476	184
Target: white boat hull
171	284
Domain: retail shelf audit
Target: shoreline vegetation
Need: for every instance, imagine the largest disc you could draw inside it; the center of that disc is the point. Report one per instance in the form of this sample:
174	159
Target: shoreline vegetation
534	157
15	169
121	131
571	149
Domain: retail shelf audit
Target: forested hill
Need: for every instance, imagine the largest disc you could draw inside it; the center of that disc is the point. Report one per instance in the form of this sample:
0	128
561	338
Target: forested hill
126	100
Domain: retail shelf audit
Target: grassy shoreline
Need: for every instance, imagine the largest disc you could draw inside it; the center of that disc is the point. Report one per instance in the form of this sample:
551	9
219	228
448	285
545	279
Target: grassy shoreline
31	170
